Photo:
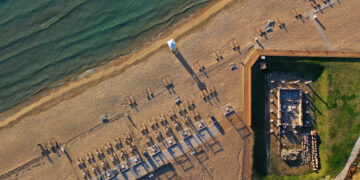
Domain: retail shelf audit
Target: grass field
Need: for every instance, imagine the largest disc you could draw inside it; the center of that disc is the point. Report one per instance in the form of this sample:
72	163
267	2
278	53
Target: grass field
336	83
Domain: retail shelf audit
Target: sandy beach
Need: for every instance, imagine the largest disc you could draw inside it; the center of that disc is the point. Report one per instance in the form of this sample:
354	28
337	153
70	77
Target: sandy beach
68	112
49	98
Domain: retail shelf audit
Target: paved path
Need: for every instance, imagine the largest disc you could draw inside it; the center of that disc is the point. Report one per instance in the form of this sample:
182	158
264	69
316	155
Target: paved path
353	155
318	24
319	27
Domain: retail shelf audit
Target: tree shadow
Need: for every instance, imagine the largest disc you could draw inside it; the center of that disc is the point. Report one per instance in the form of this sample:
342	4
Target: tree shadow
314	108
302	67
292	66
317	95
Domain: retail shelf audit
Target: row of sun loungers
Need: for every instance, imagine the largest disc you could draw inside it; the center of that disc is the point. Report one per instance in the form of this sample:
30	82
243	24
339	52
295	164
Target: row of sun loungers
218	55
121	153
163	123
149	93
51	146
200	67
131	101
208	93
168	83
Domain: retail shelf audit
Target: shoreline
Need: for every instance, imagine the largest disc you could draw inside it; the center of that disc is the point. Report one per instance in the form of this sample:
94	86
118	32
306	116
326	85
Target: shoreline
117	56
47	98
73	114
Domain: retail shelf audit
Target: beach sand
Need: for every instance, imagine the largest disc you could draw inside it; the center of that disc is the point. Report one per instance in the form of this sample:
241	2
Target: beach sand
48	99
68	111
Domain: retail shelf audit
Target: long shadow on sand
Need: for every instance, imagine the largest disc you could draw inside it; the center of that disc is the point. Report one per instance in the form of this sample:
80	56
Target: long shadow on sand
183	61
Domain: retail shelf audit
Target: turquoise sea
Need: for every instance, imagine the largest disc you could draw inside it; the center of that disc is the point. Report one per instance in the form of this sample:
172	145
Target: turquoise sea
45	41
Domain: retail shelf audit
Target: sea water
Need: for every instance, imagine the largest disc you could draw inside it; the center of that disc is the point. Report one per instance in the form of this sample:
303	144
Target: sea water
44	41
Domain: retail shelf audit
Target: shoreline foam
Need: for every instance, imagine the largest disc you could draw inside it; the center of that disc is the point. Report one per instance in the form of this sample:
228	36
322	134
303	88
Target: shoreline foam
51	97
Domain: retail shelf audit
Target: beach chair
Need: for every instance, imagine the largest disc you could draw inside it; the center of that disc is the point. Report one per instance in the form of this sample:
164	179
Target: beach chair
108	147
159	136
171	115
149	141
168	131
163	120
169	142
295	13
191	104
80	162
152	124
183	108
149	93
128	139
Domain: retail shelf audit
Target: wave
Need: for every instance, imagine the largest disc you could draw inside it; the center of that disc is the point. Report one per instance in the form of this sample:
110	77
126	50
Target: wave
51	21
71	36
25	13
104	31
32	34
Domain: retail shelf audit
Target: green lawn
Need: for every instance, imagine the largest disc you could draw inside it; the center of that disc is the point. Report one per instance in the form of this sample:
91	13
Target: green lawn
337	83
